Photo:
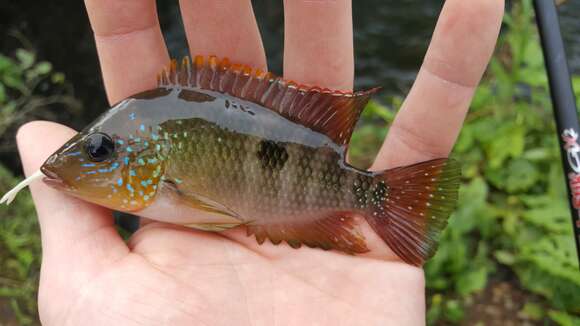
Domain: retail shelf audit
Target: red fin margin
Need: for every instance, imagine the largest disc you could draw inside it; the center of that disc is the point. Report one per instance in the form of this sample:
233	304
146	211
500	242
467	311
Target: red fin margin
333	113
335	232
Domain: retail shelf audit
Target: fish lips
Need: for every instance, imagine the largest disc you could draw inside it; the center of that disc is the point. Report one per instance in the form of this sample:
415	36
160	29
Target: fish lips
52	179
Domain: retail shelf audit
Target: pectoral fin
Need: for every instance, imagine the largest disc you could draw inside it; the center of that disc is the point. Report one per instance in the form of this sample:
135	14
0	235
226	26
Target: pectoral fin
199	202
208	205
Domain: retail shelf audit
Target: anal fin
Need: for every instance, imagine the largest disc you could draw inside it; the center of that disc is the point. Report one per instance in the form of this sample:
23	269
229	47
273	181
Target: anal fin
333	232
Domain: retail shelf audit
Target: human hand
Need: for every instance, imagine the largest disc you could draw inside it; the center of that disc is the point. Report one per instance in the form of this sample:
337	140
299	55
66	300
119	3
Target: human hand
171	275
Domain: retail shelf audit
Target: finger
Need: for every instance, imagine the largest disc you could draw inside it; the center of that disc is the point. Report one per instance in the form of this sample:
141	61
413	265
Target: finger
129	43
318	44
224	28
69	227
431	117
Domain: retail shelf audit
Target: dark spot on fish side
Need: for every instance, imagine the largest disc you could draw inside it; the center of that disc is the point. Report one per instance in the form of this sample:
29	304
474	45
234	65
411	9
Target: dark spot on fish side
238	106
151	94
193	96
273	155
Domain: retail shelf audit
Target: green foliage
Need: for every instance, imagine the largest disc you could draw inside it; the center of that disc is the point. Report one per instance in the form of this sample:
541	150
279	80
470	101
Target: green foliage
19	254
513	210
26	85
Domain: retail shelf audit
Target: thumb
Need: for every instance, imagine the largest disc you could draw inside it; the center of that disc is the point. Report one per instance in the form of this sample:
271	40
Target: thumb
75	234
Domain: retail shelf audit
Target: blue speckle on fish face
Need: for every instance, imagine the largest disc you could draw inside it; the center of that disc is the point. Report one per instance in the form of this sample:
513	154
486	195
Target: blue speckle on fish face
129	149
146	197
152	160
141	161
142	127
120	141
120	181
144	183
88	165
132	116
114	166
126	160
132	173
130	188
154	136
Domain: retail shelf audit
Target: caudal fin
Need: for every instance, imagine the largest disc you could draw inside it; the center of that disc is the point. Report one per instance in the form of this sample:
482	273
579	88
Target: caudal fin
410	206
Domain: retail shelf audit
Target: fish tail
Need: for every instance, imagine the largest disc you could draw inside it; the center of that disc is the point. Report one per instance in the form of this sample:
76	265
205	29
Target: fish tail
409	206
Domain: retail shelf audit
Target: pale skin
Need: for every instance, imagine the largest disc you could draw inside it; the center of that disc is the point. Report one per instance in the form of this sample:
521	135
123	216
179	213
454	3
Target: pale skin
171	275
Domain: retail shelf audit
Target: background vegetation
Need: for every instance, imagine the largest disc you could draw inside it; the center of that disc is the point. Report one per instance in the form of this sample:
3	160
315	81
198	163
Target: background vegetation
508	255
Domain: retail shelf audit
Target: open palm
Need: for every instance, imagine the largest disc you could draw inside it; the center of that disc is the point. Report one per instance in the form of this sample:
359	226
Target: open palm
170	275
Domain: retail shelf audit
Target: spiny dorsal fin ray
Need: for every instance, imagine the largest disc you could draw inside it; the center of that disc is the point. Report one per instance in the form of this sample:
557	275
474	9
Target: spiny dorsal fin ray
333	113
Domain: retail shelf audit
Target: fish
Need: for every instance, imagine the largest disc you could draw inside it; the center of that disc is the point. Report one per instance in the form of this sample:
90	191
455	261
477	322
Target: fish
218	145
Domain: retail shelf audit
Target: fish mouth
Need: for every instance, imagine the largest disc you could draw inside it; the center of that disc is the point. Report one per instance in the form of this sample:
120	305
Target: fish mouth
52	179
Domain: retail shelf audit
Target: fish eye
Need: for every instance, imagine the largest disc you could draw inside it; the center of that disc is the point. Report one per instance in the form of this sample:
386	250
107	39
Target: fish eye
99	147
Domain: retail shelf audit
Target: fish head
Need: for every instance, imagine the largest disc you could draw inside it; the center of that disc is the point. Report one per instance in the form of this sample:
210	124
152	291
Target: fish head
116	162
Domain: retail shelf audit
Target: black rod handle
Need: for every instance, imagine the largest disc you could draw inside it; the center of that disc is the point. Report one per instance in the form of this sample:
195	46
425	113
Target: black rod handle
564	103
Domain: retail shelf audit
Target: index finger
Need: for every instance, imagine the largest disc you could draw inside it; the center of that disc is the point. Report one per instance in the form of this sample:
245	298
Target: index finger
130	45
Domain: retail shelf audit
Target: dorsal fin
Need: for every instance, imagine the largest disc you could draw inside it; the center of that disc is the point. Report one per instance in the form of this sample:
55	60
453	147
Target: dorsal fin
333	113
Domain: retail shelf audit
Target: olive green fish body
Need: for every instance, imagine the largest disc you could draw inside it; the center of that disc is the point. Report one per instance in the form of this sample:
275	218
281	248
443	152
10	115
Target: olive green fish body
260	179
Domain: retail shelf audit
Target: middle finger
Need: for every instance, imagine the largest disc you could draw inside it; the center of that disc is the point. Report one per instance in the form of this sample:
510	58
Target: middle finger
225	28
318	43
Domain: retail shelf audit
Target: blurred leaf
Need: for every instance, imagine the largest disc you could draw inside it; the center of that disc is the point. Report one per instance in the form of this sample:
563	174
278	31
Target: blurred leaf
57	78
26	58
505	257
43	68
508	142
453	311
533	311
521	175
2	93
472	281
563	319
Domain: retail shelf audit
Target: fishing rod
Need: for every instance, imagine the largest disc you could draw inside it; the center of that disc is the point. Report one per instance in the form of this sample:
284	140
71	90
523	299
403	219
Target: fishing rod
564	104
